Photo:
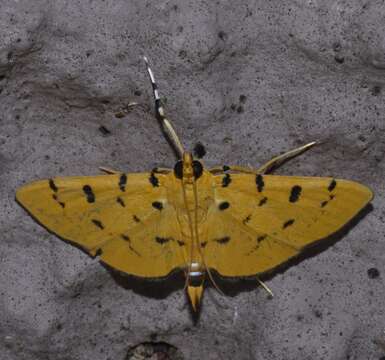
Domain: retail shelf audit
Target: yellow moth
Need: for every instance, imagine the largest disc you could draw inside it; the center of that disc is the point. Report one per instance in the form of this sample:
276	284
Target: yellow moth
233	220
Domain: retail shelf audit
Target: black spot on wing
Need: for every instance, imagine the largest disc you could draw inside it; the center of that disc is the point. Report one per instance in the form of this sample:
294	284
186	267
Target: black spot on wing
122	182
162	240
128	240
120	201
263	201
181	243
295	193
99	252
224	240
332	185
324	203
261	238
89	193
154	181
135	218
54	196
52	185
246	219
226	180
125	237
98	223
157	205
260	183
288	223
224	205
226	168
203	244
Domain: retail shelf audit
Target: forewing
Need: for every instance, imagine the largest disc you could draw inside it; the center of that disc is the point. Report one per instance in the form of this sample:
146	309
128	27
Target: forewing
125	219
261	221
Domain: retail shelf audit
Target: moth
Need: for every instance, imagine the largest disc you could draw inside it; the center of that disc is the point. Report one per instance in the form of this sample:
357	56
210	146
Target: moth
233	220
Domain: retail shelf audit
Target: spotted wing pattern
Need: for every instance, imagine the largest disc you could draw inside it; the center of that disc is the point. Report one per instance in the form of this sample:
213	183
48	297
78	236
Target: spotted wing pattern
123	218
260	221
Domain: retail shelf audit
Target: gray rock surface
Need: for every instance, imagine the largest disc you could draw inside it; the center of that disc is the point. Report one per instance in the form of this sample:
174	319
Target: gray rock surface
309	70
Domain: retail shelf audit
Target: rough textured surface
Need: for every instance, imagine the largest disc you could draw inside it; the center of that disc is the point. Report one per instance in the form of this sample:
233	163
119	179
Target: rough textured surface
248	80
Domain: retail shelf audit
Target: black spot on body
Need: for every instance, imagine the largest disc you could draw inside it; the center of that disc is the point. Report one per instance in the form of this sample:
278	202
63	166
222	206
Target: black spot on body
332	185
157	205
123	182
98	223
288	223
324	203
52	185
99	252
331	197
224	205
261	238
263	201
295	193
135	218
154	181
120	201
223	240
161	240
199	150
197	169
203	244
373	273
178	169
226	180
260	183
89	193
181	243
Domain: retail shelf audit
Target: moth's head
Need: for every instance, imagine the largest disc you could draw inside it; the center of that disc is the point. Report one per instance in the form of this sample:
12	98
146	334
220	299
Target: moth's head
188	168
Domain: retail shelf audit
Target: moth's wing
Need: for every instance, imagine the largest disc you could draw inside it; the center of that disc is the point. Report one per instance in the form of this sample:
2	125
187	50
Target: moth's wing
260	222
126	219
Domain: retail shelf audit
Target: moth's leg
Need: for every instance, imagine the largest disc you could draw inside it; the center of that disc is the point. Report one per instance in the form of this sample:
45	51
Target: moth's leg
221	169
160	170
166	124
260	282
280	159
274	162
109	171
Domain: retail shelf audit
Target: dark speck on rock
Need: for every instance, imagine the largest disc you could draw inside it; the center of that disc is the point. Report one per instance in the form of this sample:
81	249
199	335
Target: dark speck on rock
373	273
376	89
199	150
242	99
339	59
104	130
222	35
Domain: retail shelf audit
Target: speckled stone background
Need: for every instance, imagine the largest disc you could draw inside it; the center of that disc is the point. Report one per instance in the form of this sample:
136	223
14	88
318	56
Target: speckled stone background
305	70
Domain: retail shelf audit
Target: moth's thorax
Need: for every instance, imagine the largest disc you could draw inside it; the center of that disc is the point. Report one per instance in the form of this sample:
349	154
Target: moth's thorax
195	272
181	196
188	171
